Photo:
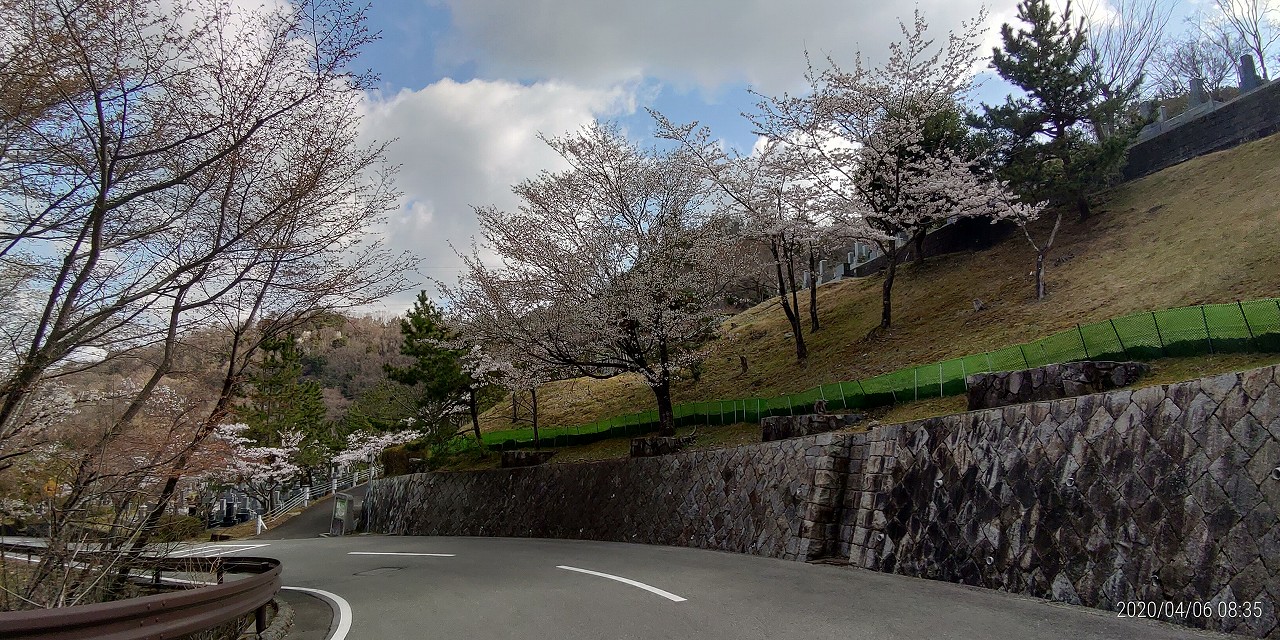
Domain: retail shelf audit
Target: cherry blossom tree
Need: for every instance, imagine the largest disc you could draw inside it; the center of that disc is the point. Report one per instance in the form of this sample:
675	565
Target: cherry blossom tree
862	133
257	469
767	188
613	265
1004	205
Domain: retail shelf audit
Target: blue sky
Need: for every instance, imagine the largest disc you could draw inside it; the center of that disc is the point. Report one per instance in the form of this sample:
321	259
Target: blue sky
467	85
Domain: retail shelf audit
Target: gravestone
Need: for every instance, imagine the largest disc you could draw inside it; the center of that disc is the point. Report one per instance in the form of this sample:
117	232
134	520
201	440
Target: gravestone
1198	95
1249	79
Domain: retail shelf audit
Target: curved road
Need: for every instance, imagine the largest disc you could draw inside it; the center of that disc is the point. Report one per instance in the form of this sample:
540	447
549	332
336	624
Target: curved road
416	587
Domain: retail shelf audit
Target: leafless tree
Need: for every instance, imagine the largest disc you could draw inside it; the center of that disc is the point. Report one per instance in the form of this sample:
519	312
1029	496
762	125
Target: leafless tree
1124	36
1208	55
1256	23
182	168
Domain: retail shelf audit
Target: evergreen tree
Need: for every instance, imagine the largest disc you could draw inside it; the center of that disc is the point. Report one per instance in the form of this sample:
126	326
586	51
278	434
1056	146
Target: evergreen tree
280	400
436	369
1046	142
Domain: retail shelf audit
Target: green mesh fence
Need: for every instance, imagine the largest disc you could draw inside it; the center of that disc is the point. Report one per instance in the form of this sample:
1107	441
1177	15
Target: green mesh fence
1186	331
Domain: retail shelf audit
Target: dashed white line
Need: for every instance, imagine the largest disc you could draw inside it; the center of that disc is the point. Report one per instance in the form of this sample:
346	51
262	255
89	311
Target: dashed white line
399	553
340	607
666	594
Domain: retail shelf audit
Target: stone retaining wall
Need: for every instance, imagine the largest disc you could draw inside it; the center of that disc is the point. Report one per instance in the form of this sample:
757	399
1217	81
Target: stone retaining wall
1050	382
783	427
1164	493
746	499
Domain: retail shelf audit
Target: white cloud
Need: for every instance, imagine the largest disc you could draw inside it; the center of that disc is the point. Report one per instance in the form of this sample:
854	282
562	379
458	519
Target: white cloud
460	145
706	43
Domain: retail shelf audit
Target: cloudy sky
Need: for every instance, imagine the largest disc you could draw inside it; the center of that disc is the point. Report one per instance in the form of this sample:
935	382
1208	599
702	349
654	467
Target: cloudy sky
467	85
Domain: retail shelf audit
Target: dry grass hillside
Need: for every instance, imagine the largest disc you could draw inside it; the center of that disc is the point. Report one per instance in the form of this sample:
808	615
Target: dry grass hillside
1203	231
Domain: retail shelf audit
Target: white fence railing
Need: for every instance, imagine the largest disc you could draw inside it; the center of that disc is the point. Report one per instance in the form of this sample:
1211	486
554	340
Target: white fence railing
304	497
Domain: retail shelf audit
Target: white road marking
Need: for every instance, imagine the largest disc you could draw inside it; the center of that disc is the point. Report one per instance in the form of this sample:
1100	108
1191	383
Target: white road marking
340	607
398	553
666	594
219	550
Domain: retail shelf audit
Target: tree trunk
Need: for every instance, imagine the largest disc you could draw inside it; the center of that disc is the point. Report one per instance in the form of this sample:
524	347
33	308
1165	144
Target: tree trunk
792	318
813	291
918	239
533	395
475	415
1040	274
886	290
666	413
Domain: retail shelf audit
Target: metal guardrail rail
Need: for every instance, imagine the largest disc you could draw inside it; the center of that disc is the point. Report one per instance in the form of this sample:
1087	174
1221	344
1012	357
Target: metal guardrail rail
164	615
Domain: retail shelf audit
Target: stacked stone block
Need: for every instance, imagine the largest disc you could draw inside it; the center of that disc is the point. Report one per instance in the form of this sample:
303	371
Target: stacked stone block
745	499
1051	382
1160	494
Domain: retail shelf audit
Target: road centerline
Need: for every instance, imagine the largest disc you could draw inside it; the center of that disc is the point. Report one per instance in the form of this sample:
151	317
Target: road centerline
400	553
651	589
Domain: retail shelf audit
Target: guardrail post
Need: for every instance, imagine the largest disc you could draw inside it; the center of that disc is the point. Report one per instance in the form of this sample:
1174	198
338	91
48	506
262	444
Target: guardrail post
306	496
260	619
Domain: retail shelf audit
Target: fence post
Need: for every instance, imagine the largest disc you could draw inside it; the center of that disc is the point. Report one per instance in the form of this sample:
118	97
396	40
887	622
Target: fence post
916	374
990	367
964	375
790	409
1248	328
1025	362
1123	349
1207	336
843	403
1083	345
1156	321
939	379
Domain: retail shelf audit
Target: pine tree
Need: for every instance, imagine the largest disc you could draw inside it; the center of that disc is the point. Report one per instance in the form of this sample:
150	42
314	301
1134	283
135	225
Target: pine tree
1045	138
436	370
280	400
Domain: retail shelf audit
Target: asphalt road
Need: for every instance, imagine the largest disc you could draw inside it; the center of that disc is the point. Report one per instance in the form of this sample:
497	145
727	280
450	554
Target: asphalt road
515	588
313	521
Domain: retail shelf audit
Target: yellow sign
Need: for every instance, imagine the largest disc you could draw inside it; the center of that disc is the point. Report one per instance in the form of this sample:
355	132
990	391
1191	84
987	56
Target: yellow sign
51	488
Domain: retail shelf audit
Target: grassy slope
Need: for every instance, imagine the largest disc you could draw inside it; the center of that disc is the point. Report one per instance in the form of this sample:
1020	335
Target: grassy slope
1203	231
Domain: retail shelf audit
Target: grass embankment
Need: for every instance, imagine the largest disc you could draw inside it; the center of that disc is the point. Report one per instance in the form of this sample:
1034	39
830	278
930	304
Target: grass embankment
1204	231
1163	371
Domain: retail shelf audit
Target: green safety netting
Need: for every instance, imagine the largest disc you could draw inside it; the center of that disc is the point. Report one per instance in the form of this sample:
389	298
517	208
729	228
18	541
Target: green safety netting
1252	326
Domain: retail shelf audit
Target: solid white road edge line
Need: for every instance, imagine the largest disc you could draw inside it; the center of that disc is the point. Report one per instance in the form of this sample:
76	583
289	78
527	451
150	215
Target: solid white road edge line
340	607
398	553
666	594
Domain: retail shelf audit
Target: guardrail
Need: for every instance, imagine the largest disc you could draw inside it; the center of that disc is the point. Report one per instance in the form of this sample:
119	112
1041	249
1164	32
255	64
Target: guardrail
164	615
